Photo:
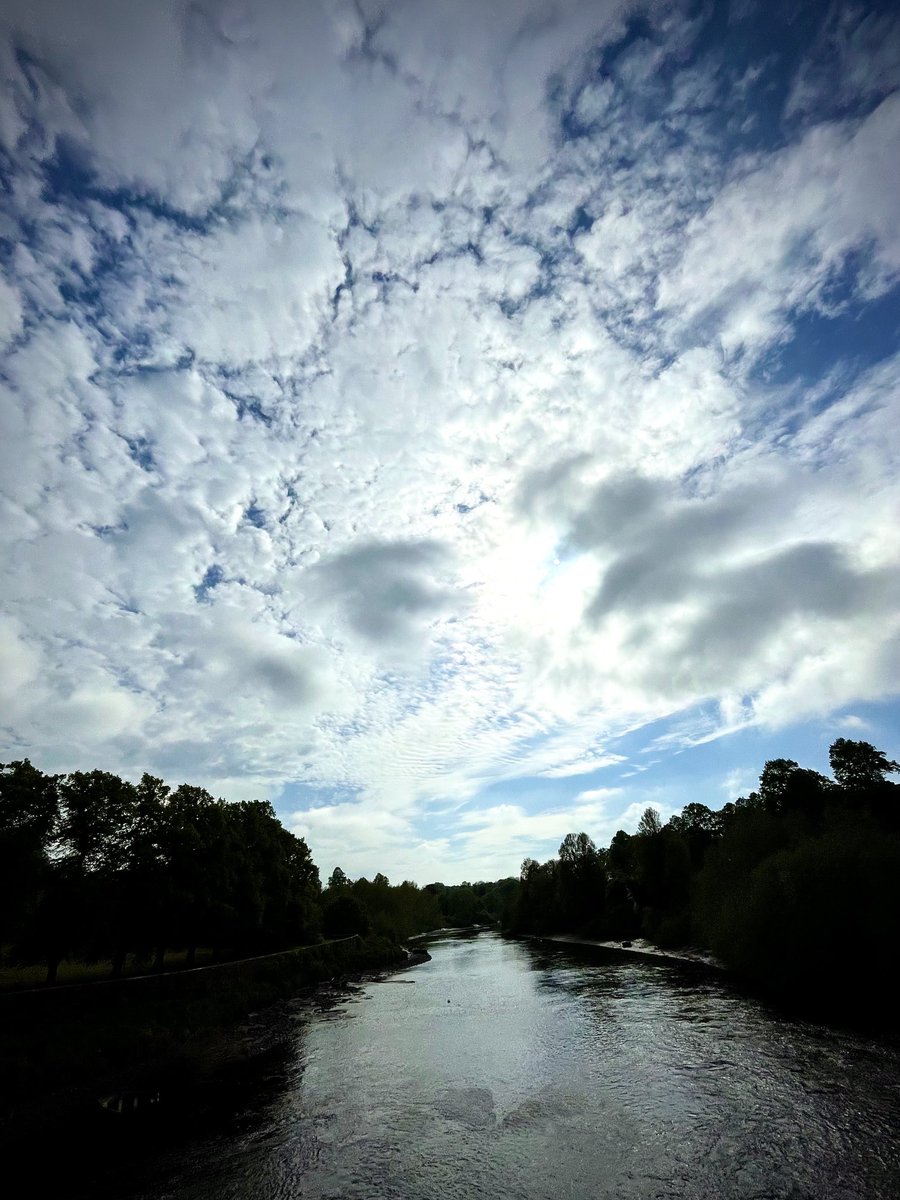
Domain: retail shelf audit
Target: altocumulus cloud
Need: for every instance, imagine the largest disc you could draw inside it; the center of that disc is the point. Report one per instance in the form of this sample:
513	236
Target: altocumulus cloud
425	415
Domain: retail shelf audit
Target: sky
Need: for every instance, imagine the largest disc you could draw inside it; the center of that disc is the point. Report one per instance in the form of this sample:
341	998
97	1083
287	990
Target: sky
458	423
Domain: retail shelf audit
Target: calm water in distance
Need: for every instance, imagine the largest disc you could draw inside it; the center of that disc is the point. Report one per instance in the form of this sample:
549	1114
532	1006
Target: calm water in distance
512	1070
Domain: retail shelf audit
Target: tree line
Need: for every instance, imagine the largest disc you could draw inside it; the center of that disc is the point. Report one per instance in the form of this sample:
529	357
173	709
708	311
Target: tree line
363	906
789	885
796	886
96	869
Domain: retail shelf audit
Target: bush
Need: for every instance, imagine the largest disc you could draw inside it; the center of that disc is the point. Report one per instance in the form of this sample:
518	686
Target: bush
343	917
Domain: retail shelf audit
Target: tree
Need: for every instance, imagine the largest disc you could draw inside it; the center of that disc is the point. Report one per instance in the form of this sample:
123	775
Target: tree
662	870
621	856
138	891
28	813
96	813
536	906
775	781
344	916
193	904
858	766
785	787
650	823
699	826
337	879
293	889
96	818
582	880
695	817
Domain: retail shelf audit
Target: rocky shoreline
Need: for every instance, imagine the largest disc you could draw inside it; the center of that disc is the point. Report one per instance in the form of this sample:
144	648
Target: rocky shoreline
639	948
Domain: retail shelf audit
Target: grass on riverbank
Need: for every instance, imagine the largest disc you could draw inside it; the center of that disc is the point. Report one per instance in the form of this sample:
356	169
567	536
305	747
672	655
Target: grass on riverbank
54	1039
16	978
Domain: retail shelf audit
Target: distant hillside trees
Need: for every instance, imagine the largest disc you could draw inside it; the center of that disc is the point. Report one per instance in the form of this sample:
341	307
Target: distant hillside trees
481	903
401	911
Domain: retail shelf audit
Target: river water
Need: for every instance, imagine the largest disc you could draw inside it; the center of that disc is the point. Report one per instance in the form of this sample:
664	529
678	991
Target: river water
520	1070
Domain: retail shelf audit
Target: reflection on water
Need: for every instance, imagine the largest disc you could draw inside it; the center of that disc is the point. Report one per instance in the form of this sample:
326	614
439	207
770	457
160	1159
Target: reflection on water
507	1070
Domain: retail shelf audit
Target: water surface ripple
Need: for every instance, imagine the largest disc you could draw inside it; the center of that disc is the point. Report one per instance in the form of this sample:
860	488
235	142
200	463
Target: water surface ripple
502	1069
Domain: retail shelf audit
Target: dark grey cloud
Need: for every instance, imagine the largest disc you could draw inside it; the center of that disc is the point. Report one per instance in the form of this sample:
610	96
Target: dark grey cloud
706	585
621	510
288	682
388	590
549	489
666	549
749	606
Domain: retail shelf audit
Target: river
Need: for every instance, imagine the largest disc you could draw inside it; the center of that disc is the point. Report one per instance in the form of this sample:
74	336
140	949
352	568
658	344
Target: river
519	1070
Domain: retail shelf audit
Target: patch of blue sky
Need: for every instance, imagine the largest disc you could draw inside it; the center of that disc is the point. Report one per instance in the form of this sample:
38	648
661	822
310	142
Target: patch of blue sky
255	515
141	451
464	508
603	66
833	31
581	222
69	177
748	60
212	578
130	353
106	531
136	363
763	46
713	772
536	794
8	171
296	796
718	770
249	407
68	174
854	332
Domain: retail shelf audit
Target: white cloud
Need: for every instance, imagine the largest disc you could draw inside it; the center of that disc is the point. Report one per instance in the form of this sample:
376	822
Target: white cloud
784	225
382	411
10	312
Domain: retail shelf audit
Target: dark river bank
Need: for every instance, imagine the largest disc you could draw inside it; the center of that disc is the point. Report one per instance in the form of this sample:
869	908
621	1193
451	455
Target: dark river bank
503	1069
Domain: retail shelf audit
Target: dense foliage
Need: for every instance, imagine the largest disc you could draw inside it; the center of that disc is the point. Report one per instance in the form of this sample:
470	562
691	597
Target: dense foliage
403	911
94	868
796	886
465	904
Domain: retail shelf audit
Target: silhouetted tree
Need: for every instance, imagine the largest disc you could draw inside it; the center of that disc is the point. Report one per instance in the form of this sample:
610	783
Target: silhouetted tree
581	880
537	909
650	823
858	765
28	813
785	787
621	856
699	827
138	892
97	809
